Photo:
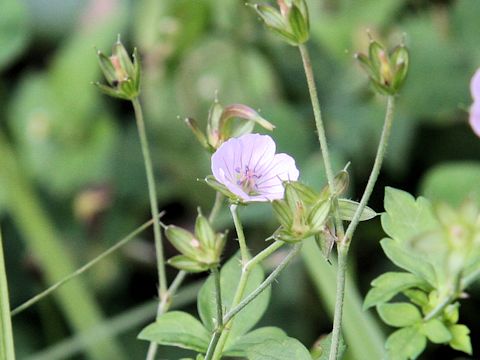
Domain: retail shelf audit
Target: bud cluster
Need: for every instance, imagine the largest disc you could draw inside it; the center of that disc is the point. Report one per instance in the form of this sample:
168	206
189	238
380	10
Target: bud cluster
387	72
223	124
200	251
122	75
290	21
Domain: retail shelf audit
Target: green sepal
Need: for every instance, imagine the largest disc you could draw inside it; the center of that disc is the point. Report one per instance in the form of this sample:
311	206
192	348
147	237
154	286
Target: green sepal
306	193
111	91
204	232
318	215
183	262
298	24
348	208
283	213
183	241
212	182
107	68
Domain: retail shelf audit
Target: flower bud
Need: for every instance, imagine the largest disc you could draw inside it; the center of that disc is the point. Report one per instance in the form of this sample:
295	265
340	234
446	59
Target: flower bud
122	75
387	73
290	22
200	251
302	213
223	124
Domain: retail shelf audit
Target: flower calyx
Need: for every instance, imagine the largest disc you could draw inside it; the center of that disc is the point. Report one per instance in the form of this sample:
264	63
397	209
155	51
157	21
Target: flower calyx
200	251
122	74
387	72
290	21
226	122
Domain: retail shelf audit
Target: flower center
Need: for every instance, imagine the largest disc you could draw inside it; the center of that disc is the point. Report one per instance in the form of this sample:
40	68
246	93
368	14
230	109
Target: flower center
247	179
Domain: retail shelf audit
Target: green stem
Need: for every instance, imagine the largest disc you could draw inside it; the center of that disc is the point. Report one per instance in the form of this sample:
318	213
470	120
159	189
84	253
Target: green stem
153	197
312	88
363	334
340	295
377	165
345	242
439	308
222	333
218	293
271	278
81	270
7	350
241	236
219	325
163	307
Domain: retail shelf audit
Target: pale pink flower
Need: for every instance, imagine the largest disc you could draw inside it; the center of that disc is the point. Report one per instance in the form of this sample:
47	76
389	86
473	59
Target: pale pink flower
249	168
475	108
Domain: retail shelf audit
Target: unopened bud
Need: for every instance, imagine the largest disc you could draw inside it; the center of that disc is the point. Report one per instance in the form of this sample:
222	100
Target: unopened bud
386	72
122	75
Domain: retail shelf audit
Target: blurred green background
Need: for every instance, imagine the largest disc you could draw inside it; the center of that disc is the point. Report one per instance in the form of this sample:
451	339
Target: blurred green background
72	180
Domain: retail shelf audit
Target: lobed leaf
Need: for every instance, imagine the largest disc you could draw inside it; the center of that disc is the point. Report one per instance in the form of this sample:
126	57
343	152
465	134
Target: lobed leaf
399	314
177	328
387	285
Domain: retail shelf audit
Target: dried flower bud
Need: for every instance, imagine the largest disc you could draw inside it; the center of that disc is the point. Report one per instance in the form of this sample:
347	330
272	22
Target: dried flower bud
290	22
122	75
387	72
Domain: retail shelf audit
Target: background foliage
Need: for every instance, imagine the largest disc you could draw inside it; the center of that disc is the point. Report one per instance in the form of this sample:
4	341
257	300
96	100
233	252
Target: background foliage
79	158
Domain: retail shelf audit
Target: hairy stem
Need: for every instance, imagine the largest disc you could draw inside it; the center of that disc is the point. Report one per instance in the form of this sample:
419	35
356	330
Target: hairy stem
163	307
152	195
220	335
247	300
377	165
345	242
312	88
241	236
342	250
219	325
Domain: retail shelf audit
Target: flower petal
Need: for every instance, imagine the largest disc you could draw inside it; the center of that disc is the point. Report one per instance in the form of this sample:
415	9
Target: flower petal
475	85
256	150
475	117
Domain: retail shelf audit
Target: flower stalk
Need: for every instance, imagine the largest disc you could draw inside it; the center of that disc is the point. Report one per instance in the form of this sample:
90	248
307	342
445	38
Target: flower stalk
345	242
220	334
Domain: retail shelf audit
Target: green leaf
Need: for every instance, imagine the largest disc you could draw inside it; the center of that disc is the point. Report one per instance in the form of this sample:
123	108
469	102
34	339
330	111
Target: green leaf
7	350
404	344
460	338
452	182
399	314
348	208
436	331
177	328
408	261
258	336
285	349
229	278
406	218
387	285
